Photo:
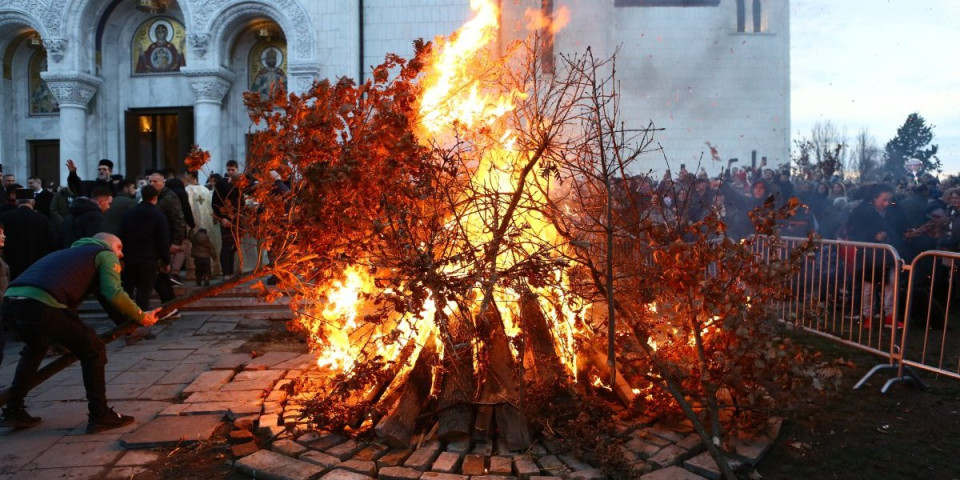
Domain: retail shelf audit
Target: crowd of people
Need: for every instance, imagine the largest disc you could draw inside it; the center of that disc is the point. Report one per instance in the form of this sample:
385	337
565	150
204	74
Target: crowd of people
115	238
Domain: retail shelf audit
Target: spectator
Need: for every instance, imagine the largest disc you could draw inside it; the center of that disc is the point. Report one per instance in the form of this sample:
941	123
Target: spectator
9	180
227	202
86	217
30	235
41	195
202	253
125	200
85	188
4	283
60	208
146	247
169	205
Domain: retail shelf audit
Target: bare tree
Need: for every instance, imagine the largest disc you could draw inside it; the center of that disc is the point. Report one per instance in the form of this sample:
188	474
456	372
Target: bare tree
866	155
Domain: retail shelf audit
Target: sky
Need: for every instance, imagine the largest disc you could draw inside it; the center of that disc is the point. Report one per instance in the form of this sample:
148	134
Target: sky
867	64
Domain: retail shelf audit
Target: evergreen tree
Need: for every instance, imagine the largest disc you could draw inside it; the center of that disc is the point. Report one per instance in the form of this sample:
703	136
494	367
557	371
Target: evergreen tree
912	141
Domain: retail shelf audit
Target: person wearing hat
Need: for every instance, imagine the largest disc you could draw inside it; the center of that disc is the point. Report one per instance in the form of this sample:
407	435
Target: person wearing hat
83	188
30	235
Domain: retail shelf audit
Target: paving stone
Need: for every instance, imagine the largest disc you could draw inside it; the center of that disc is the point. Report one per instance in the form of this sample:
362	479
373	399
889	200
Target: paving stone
671	473
642	448
446	462
525	468
552	465
300	362
365	467
539	477
460	446
666	433
231	362
692	443
207	381
229	409
169	431
321	440
240	436
641	467
115	473
483	448
588	474
372	452
214	327
219	396
253	380
750	451
442	476
423	457
244	423
344	450
704	465
268	465
537	450
398	473
501	465
244	449
137	457
269	360
162	392
669	455
288	447
492	477
344	475
574	463
173	410
277	395
393	458
319	458
474	464
645	435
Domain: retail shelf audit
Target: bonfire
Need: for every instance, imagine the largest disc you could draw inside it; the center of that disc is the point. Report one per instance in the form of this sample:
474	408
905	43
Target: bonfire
459	243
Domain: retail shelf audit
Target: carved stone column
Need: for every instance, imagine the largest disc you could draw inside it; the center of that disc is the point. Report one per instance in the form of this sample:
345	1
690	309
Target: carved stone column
301	76
73	92
209	87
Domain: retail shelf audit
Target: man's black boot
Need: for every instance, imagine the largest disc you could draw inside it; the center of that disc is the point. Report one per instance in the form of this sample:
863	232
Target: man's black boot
17	417
108	421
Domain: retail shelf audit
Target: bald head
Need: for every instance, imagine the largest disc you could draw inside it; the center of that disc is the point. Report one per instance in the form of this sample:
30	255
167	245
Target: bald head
116	246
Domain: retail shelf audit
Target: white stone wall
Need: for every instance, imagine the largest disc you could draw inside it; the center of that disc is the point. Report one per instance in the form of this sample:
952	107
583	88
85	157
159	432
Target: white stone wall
684	68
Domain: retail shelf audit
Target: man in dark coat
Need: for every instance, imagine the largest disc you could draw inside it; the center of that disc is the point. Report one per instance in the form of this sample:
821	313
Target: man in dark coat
85	188
42	306
227	202
125	200
169	205
29	234
42	196
86	217
146	246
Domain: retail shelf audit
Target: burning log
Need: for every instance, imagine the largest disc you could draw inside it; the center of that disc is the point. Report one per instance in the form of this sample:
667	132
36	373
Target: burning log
397	427
378	390
544	364
621	388
500	387
456	412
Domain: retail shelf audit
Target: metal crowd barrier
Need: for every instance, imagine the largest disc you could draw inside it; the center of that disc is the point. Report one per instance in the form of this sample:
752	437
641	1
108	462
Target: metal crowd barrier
930	341
848	292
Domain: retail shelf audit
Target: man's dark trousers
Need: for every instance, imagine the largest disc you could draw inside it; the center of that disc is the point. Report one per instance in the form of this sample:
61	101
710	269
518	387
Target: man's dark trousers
40	325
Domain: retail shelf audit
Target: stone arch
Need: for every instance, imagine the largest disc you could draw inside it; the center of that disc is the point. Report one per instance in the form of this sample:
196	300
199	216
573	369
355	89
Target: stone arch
79	15
290	15
12	20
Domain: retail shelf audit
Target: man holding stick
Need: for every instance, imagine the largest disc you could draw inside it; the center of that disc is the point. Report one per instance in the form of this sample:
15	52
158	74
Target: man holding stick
42	306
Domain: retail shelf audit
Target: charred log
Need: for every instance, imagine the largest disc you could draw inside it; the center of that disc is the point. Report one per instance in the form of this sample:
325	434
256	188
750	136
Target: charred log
398	427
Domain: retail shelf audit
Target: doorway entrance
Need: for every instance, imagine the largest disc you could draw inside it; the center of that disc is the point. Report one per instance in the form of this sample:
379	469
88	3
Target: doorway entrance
157	139
45	161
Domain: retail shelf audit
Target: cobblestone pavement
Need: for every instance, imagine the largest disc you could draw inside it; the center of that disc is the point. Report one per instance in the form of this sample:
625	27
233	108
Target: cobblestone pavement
183	383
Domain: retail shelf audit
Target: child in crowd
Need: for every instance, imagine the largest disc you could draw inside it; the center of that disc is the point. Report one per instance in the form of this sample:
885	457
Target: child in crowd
202	254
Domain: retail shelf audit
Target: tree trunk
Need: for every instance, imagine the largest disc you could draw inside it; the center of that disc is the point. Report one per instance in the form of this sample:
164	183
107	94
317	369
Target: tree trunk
398	426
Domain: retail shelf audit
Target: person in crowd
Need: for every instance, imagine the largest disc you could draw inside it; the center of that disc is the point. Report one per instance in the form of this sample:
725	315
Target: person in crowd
10	198
169	205
837	190
85	188
87	217
62	201
178	187
202	253
739	224
9	180
30	235
145	234
227	202
125	200
4	283
42	197
41	305
877	220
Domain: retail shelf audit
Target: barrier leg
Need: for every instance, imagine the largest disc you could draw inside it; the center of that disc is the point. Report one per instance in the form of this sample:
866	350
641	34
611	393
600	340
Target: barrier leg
909	375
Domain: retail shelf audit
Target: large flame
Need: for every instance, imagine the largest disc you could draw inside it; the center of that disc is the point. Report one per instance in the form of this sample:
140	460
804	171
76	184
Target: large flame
458	96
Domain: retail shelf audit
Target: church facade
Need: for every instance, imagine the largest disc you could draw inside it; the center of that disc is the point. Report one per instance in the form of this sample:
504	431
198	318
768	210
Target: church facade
140	81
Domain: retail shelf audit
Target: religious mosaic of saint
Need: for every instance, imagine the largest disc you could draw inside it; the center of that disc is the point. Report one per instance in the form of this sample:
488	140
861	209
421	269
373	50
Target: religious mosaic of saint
42	101
267	67
158	46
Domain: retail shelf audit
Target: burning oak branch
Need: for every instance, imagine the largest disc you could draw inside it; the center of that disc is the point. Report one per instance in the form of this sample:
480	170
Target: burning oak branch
457	241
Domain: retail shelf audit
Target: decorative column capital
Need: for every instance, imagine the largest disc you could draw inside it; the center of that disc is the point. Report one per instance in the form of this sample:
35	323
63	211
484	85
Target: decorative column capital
199	42
210	85
55	48
302	76
72	89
